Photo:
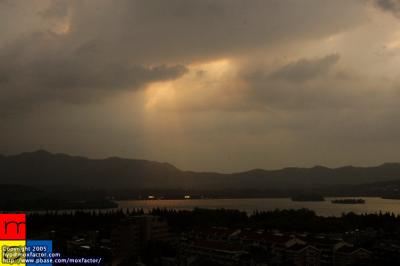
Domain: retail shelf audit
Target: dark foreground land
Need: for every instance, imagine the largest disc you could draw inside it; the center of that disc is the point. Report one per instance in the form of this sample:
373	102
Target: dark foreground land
222	237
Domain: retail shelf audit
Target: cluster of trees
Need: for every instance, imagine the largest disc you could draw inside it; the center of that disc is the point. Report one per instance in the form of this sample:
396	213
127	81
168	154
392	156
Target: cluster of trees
285	220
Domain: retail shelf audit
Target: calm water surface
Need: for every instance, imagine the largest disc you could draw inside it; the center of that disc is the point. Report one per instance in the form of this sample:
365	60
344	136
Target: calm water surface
324	208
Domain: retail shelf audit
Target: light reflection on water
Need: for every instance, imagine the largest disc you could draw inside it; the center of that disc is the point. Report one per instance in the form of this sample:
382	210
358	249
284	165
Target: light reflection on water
324	208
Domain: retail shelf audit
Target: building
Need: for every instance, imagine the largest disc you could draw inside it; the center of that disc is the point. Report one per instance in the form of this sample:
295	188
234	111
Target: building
214	252
151	228
134	233
302	255
125	241
327	247
348	255
387	251
215	233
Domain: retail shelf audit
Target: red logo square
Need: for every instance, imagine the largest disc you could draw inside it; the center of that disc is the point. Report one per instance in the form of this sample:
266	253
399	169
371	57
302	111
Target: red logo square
12	226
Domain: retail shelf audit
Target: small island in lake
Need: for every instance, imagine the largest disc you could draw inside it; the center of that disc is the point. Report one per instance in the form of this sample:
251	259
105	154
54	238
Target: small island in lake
308	197
348	201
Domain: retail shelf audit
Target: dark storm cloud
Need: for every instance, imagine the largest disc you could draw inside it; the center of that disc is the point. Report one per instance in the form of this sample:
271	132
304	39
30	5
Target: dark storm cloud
306	69
57	9
304	84
186	30
392	6
91	49
40	67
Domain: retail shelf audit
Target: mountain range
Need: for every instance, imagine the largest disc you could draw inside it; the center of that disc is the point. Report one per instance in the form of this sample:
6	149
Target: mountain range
42	168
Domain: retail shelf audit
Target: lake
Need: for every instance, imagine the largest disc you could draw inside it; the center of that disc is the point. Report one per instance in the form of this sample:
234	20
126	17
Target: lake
323	208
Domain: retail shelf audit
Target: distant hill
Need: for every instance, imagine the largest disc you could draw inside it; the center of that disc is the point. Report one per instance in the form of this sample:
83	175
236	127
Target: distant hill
385	189
42	168
10	191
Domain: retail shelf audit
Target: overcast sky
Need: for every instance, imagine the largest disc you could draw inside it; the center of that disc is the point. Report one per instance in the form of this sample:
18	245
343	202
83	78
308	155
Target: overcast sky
210	85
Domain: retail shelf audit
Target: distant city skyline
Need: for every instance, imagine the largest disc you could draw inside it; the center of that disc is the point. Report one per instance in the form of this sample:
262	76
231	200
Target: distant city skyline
220	86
